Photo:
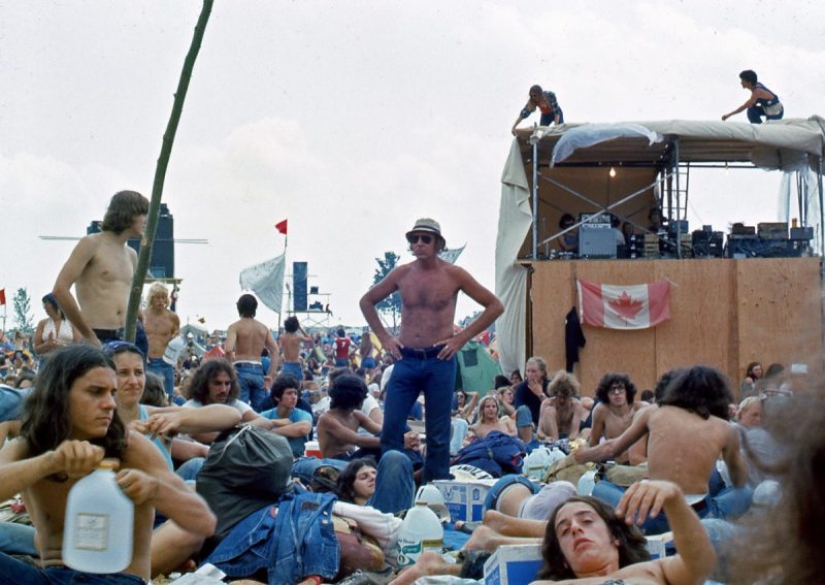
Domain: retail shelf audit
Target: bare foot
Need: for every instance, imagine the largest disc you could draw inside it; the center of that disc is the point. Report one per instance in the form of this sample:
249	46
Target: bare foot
429	563
483	538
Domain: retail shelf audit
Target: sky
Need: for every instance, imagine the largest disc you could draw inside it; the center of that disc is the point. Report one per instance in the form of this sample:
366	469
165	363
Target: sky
350	119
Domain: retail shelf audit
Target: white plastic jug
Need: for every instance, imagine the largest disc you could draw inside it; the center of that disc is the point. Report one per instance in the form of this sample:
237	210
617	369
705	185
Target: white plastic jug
435	501
420	532
172	353
98	531
586	483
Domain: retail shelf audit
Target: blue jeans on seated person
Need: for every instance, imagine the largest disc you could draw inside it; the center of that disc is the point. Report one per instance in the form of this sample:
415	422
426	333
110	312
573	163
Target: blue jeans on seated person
502	484
166	371
17	539
16	572
412	375
251	381
728	504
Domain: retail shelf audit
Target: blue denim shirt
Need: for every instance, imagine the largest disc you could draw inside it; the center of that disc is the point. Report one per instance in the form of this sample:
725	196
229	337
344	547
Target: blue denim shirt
299	541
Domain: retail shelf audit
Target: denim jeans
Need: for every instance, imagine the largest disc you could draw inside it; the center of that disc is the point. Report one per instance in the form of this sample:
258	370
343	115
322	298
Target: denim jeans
298	541
293	368
166	371
15	572
17	539
436	378
251	381
305	467
728	504
394	484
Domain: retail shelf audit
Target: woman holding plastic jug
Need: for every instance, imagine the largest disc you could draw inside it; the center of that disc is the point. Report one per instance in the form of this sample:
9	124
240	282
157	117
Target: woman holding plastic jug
69	426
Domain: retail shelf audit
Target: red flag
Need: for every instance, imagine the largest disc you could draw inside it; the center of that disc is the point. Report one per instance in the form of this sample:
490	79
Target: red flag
281	226
637	306
2	296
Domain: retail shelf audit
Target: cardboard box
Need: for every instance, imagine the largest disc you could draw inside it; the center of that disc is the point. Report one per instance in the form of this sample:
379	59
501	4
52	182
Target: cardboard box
657	545
464	500
513	565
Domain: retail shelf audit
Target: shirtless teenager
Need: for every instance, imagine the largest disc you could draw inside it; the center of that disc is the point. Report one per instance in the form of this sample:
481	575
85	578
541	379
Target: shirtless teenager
614	412
162	326
245	341
687	434
69	426
561	413
426	347
290	342
101	268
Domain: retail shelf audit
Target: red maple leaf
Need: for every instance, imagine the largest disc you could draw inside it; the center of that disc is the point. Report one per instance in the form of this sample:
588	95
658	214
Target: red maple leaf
626	306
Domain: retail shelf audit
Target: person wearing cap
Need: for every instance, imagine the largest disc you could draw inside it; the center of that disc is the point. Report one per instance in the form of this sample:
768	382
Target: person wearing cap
426	347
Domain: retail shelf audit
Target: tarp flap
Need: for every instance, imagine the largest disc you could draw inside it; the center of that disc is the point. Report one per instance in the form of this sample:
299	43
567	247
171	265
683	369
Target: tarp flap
590	134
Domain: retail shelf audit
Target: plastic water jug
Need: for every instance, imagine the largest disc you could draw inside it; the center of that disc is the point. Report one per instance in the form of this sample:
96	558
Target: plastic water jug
435	501
98	531
420	532
586	483
172	353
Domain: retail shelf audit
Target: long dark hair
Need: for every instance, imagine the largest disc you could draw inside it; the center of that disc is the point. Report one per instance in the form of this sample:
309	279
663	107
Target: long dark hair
632	545
608	380
701	390
199	387
46	417
346	480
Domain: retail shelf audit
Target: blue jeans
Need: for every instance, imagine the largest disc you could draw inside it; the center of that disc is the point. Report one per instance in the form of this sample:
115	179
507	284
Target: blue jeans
251	381
491	501
293	368
166	371
728	504
16	572
300	541
17	539
547	119
305	467
394	484
436	378
755	114
188	470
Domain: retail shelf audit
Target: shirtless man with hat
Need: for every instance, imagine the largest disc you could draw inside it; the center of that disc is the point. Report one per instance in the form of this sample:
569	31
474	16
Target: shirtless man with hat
426	347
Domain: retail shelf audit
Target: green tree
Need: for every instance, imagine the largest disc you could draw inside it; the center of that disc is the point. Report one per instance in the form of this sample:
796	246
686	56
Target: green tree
22	306
391	306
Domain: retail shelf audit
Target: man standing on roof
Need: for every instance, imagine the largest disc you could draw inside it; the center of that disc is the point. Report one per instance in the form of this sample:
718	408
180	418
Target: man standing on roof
547	104
426	347
763	102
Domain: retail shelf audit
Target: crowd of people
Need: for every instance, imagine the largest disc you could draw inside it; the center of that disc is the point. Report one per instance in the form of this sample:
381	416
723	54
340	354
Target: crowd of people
686	459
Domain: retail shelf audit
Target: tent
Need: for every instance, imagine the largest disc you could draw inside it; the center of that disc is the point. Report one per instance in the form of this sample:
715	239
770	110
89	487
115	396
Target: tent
571	156
477	369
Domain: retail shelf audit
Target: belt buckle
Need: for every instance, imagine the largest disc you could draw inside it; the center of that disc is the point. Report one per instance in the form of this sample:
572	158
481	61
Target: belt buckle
420	353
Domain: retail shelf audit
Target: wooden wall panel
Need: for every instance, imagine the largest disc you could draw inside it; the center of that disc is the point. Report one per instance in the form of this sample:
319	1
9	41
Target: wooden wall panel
725	313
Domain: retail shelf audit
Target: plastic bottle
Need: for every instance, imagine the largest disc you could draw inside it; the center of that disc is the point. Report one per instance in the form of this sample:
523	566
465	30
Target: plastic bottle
420	532
98	531
586	483
435	501
173	350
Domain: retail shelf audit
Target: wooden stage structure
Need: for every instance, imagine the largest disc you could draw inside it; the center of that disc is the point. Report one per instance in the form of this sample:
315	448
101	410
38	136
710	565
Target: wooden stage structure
725	313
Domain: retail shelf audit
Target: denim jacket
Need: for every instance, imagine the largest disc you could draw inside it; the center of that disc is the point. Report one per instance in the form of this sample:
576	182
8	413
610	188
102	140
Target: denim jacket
299	541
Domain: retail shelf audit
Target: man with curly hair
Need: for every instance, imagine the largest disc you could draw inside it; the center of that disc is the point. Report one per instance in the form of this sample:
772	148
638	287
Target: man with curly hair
614	410
687	434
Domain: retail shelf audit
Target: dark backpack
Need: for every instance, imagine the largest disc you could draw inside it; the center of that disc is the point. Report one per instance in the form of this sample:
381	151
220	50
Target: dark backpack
497	454
247	468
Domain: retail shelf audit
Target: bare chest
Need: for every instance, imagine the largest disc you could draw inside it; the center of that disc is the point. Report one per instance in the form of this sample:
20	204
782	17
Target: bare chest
422	290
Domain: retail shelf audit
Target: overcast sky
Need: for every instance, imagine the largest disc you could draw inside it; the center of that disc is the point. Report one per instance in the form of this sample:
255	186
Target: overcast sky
351	119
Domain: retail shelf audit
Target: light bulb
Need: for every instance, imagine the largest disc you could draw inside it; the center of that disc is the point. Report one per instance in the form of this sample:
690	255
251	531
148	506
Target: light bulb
612	172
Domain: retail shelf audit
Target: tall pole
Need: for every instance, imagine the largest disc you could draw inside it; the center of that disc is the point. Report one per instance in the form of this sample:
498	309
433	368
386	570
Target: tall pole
534	141
160	172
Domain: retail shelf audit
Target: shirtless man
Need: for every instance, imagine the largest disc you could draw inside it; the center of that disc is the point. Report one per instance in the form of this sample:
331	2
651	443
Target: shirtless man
69	426
245	341
561	413
162	326
687	434
290	342
426	348
615	411
101	268
337	428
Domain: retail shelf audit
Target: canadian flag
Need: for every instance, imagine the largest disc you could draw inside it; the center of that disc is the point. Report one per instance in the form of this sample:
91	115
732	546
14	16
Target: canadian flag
636	306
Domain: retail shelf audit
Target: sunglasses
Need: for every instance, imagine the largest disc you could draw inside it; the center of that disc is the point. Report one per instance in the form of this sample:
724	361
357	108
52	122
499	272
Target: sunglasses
413	238
115	347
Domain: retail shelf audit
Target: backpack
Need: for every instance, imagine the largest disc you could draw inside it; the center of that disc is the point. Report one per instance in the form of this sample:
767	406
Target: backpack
247	468
498	454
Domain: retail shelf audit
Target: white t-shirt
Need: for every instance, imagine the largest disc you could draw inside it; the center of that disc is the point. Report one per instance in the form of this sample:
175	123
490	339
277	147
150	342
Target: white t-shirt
241	407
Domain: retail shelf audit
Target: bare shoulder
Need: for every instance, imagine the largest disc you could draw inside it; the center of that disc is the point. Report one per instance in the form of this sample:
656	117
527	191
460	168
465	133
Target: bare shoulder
14	450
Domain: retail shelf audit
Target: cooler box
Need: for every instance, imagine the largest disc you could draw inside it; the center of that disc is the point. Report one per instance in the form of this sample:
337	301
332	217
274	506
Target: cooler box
513	564
464	500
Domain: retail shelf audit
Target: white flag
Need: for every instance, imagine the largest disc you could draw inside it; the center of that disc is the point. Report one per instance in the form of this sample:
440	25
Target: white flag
451	255
266	280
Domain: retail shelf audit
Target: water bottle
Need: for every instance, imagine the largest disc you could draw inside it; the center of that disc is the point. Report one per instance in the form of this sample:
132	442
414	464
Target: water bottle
586	483
435	501
99	524
173	350
420	532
